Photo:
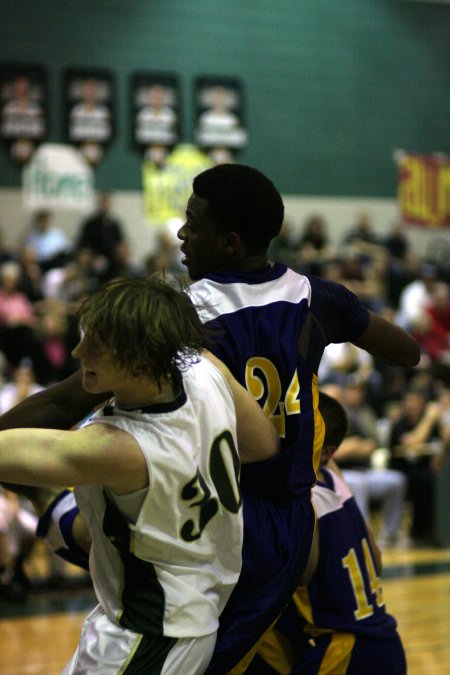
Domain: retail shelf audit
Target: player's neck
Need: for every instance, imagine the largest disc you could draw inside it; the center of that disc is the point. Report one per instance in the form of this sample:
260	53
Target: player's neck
144	392
248	262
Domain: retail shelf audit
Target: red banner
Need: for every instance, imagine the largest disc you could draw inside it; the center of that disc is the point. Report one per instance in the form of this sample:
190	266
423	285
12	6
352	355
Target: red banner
424	189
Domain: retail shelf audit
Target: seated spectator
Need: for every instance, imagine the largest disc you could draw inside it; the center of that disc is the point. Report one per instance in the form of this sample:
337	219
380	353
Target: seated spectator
438	307
166	256
284	247
73	282
56	335
432	337
399	274
50	244
6	253
17	537
416	295
22	385
122	263
354	458
101	233
343	359
366	278
314	246
31	274
362	234
17	316
419	442
396	242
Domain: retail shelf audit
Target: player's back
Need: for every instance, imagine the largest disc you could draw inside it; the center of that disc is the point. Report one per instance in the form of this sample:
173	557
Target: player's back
345	593
338	623
260	329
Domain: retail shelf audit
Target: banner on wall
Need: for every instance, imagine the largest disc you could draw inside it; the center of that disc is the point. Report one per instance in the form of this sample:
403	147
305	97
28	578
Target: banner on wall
167	186
58	177
424	189
23	109
219	117
89	110
155	113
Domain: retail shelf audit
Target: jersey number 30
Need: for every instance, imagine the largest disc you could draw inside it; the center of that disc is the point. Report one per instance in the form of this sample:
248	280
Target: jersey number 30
224	471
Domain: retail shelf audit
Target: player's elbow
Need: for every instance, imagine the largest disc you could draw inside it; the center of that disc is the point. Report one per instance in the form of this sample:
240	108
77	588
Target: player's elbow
410	355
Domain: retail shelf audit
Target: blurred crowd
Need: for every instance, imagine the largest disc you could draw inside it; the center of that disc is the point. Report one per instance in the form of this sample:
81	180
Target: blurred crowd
399	419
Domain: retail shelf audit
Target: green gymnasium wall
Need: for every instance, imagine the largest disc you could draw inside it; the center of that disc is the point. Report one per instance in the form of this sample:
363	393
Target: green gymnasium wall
331	87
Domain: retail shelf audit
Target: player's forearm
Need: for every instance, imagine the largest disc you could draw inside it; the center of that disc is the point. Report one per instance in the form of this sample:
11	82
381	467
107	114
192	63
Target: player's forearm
389	343
58	407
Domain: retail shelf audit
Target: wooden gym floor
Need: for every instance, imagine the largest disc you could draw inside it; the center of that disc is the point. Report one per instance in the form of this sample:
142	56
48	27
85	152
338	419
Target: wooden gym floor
38	636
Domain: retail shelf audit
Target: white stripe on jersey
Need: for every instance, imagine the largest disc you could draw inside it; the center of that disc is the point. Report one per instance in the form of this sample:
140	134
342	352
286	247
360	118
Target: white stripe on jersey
326	500
215	299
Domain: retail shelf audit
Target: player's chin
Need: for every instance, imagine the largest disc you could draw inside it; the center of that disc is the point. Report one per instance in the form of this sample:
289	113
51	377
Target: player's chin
195	273
90	384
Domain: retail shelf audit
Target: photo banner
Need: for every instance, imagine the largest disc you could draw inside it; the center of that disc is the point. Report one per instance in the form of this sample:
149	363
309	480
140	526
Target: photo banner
424	189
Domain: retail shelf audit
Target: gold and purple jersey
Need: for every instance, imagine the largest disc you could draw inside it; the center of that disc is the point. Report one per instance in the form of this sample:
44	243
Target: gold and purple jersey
270	328
345	593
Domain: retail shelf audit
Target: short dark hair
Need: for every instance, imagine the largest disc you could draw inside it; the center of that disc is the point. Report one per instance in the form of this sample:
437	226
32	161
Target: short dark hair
152	327
335	419
242	199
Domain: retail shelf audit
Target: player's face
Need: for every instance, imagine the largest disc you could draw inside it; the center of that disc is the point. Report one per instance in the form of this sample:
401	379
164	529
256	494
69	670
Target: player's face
99	367
204	246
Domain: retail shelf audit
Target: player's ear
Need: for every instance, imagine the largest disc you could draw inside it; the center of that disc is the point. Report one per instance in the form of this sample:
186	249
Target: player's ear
327	453
232	242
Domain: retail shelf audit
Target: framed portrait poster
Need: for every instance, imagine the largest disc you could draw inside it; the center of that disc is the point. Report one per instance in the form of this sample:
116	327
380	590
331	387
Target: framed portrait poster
155	113
23	106
219	122
89	111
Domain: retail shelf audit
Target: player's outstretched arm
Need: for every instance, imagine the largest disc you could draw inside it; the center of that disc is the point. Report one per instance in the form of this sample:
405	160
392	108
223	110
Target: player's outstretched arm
60	406
389	343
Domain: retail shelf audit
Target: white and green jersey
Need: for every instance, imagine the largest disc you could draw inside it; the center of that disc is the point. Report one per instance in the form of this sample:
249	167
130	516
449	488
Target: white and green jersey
165	559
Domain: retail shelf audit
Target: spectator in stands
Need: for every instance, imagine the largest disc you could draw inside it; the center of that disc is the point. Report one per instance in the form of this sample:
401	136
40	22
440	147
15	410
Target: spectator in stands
122	263
101	233
419	443
75	280
6	253
56	335
396	242
31	274
50	244
354	457
439	305
314	246
362	275
343	359
22	385
284	247
17	316
17	537
416	295
362	233
432	337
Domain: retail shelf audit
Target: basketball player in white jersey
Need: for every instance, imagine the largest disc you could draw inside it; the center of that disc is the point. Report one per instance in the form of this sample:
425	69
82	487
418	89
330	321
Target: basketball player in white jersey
156	476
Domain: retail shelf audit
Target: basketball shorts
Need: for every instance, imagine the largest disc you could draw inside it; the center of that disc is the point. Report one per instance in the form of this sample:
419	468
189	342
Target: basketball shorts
333	653
277	543
105	648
